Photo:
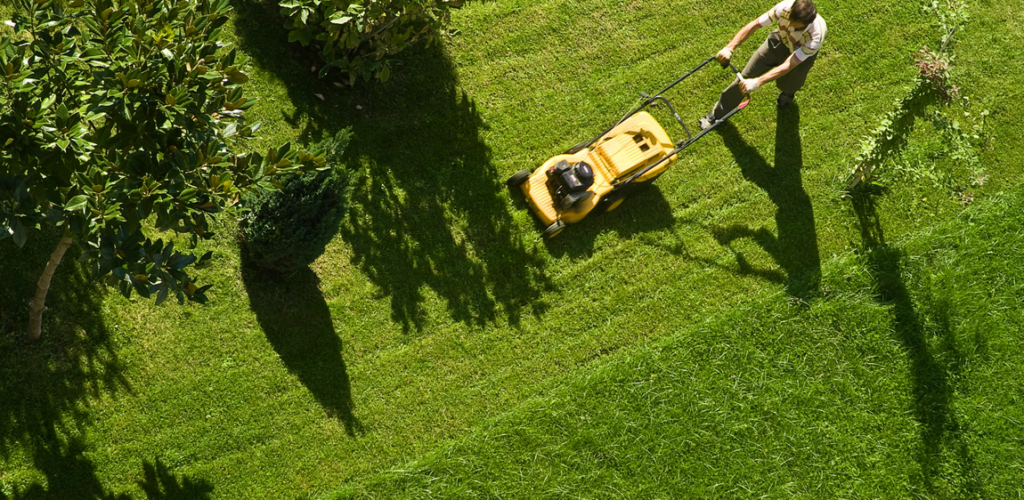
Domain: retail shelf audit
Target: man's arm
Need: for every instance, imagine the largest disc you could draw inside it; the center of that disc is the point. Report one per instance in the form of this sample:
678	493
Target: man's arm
748	85
777	72
741	36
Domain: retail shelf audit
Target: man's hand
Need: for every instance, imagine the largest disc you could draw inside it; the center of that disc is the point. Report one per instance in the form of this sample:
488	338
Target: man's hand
724	55
748	85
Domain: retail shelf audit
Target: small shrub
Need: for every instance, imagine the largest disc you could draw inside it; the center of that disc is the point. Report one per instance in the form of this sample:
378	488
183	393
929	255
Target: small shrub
287	229
359	37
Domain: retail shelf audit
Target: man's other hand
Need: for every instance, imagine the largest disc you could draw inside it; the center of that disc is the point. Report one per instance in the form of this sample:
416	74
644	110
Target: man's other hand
748	85
724	55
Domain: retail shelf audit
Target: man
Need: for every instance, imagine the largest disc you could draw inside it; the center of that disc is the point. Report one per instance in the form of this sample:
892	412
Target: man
785	57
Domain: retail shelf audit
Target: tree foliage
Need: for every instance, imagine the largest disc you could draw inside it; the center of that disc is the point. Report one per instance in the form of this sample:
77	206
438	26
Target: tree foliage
119	116
358	37
285	230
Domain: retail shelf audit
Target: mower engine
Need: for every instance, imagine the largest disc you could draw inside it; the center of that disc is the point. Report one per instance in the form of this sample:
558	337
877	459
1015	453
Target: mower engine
569	184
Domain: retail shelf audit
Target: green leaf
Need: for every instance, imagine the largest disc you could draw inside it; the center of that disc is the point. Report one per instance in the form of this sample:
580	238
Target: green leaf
161	296
385	73
77	203
341	17
237	77
20	234
62	112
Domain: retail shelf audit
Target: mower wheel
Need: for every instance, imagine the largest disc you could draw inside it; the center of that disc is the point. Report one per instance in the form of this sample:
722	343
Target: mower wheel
518	178
611	202
554	229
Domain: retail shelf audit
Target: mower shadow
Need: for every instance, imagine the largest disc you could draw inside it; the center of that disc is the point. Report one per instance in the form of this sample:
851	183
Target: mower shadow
294	316
429	212
644	210
795	247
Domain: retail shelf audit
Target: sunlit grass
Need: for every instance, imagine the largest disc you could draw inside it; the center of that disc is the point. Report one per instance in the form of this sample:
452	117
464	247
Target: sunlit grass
438	309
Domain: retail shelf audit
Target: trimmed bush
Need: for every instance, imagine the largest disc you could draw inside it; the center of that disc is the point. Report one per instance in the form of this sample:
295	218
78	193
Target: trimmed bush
358	38
287	229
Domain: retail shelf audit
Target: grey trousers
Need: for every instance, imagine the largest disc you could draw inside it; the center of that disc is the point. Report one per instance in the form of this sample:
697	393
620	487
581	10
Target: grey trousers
771	54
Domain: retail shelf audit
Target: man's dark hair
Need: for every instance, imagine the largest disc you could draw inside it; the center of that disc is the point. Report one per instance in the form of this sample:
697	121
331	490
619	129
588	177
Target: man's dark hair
803	12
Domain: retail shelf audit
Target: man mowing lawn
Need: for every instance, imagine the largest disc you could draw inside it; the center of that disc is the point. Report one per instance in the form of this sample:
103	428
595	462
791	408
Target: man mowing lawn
785	57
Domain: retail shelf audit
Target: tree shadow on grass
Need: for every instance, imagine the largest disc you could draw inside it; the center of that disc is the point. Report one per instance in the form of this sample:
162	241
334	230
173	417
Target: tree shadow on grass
934	366
47	386
795	247
294	316
71	476
160	483
430	211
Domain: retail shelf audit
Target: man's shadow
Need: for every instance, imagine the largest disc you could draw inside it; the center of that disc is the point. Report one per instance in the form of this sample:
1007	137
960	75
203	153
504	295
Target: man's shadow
795	247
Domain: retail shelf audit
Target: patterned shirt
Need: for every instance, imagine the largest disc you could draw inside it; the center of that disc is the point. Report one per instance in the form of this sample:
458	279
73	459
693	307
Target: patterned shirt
803	43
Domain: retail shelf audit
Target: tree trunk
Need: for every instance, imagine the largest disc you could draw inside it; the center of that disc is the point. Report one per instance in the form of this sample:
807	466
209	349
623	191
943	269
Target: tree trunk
38	304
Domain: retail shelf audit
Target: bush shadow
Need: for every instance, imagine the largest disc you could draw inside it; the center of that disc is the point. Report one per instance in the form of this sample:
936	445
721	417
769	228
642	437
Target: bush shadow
429	211
294	316
160	483
934	367
795	246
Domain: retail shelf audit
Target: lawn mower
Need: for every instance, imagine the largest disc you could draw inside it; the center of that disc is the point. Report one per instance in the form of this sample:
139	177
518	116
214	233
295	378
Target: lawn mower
596	175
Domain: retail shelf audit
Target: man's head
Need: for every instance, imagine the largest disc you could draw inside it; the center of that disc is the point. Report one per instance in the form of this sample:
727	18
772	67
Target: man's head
803	13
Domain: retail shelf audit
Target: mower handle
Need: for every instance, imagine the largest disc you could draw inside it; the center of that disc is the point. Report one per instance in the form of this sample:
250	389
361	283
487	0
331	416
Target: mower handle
648	100
728	65
680	147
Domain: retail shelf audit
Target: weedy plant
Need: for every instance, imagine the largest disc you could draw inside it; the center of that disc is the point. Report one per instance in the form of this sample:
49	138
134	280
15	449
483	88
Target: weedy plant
949	159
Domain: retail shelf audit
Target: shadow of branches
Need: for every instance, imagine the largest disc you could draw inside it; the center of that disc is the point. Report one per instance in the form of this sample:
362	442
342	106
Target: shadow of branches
71	476
935	358
46	386
160	483
429	213
795	247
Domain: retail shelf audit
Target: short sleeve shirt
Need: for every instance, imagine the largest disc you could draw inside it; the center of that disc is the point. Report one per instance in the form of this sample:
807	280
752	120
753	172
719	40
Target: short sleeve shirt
803	43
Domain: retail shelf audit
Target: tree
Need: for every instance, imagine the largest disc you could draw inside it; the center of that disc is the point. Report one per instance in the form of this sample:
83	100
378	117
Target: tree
118	118
358	37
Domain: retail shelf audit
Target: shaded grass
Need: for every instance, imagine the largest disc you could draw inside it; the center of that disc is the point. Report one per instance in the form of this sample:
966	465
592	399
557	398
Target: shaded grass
891	387
438	308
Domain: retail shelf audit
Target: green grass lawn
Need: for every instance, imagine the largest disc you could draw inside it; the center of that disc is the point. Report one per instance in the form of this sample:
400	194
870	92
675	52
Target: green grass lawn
439	316
903	383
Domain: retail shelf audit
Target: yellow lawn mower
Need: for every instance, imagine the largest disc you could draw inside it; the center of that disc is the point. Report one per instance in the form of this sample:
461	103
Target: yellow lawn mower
598	174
